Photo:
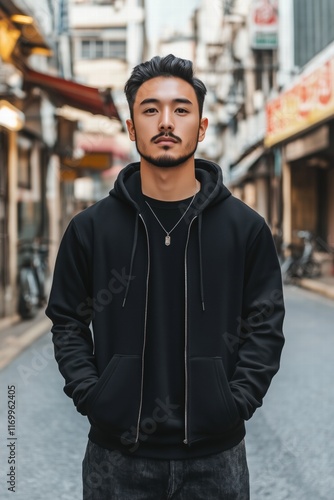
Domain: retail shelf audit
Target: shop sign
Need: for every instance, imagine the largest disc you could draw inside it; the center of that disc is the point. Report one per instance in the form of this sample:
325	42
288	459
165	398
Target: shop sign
8	39
264	24
308	102
10	117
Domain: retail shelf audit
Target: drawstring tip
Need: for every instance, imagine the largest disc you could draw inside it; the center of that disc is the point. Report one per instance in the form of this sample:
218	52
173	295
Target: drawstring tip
123	305
203	305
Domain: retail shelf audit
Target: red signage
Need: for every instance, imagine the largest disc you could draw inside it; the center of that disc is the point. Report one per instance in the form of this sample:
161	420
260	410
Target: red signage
264	24
265	14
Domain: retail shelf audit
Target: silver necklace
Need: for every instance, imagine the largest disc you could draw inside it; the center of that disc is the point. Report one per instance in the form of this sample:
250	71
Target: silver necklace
167	237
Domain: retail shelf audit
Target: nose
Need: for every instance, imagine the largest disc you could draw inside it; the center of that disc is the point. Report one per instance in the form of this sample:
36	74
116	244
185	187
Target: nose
166	122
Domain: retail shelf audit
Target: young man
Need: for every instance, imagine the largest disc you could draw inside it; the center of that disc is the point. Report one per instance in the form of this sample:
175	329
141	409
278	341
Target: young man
181	284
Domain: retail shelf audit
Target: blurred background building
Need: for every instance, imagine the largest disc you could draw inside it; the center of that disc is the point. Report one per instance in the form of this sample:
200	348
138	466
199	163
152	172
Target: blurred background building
267	65
269	69
63	65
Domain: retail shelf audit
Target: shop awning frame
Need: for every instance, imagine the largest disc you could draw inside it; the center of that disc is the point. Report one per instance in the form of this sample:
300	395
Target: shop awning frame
241	169
75	94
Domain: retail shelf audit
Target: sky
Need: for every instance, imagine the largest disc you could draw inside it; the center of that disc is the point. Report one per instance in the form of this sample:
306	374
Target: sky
175	13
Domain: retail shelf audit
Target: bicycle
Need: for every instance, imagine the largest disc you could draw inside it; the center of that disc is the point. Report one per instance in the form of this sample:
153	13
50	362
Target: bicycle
32	274
304	265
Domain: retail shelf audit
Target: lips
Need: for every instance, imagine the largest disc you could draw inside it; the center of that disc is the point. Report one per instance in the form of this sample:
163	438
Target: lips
165	139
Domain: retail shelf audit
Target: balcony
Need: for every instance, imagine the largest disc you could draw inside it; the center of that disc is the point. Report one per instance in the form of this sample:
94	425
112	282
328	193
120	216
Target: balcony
83	16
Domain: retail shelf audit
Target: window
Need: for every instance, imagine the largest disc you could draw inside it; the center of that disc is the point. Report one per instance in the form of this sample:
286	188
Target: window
313	27
103	49
228	6
99	52
63	17
85	49
117	49
264	69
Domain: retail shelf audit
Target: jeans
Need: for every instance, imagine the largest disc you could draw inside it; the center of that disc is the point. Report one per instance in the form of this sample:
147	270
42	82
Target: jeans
110	475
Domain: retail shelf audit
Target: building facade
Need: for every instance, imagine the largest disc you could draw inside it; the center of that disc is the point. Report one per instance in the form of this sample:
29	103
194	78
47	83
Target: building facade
300	120
24	142
268	66
236	56
37	136
108	40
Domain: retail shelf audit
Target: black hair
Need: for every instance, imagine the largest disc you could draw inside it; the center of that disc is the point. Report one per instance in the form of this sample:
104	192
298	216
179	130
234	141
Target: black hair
169	66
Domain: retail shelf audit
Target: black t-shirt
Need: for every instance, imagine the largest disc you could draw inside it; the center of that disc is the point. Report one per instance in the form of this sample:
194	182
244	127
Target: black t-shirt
164	366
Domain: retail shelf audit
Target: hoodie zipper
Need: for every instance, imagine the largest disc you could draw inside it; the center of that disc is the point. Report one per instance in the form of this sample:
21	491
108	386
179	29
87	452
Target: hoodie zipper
185	333
145	332
185	441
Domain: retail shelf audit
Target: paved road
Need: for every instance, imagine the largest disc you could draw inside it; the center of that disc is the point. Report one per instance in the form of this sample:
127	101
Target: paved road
51	435
289	441
291	438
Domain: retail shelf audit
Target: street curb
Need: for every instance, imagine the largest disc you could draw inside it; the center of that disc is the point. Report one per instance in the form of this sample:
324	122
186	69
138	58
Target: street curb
9	321
15	345
315	286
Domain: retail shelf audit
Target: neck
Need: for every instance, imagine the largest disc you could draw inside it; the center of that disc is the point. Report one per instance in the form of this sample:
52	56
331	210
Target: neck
168	184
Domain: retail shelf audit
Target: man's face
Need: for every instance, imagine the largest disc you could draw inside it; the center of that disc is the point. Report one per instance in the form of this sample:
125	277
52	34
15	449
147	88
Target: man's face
166	125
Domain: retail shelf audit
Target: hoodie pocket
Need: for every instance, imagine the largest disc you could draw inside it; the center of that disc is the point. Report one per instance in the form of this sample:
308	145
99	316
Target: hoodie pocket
211	407
114	404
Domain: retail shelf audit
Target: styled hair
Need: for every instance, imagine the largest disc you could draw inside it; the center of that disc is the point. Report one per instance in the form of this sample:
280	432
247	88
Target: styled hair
168	66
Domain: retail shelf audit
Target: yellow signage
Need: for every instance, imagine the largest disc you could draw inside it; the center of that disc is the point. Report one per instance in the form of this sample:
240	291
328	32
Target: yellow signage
308	102
94	161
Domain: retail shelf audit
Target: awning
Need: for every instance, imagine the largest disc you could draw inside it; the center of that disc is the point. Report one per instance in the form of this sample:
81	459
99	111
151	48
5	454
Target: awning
98	143
80	96
240	170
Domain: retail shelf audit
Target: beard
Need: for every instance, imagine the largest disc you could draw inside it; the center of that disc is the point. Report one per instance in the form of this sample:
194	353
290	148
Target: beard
165	160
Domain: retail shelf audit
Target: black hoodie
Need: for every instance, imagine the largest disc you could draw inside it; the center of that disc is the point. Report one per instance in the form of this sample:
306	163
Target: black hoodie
232	326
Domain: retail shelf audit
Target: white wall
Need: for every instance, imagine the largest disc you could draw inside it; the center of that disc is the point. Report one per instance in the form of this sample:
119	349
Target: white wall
286	42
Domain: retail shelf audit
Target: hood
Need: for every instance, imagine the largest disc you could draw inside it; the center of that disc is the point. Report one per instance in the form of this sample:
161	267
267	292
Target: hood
212	192
208	173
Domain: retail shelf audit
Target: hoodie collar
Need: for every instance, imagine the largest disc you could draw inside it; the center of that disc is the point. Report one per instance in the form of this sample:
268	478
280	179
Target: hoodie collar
208	173
212	191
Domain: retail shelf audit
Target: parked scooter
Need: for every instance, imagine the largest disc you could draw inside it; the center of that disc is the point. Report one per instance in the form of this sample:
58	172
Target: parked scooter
301	266
32	275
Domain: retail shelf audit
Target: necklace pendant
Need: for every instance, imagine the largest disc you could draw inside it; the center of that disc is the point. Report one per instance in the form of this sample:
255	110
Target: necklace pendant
167	240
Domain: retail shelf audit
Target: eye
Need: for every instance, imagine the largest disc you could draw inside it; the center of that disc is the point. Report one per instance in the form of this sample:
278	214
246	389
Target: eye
181	111
150	111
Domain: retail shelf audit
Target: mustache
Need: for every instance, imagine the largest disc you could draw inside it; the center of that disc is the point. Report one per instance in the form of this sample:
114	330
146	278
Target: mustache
166	134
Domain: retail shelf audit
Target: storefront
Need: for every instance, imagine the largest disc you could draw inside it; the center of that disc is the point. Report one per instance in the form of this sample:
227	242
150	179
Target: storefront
18	147
252	181
11	121
300	125
32	146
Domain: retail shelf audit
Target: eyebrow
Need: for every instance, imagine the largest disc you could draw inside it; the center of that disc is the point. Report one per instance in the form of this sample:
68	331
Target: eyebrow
152	100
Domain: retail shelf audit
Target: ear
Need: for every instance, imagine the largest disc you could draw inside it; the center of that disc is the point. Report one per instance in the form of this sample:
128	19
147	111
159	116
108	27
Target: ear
202	129
131	129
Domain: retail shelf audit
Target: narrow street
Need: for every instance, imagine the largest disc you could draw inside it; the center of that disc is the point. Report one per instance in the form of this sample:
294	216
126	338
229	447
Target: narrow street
289	441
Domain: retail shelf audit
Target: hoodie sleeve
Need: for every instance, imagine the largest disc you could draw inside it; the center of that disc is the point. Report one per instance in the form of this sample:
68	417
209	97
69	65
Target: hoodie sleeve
72	336
260	329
